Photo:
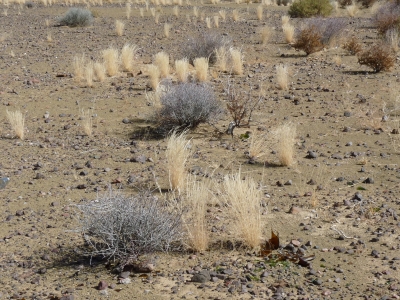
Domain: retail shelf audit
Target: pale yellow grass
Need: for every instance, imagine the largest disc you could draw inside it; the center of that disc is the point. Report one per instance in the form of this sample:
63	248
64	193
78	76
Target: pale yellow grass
243	199
236	61
157	18
282	76
89	74
216	21
86	122
258	145
17	122
201	68
196	11
154	73
235	15
128	53
222	58
153	11
177	154
285	19
141	11
352	10
119	27
99	71
265	33
285	136
288	32
392	37
208	22
111	61
49	38
128	10
260	12
78	64
175	11
167	28
161	60
222	14
182	69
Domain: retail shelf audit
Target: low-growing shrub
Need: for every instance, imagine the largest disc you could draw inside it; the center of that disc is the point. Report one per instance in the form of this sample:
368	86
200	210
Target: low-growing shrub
187	105
352	45
310	8
76	17
379	57
388	17
204	45
309	40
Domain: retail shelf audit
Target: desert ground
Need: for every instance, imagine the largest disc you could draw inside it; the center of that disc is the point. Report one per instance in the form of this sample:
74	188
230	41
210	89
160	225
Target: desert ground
338	201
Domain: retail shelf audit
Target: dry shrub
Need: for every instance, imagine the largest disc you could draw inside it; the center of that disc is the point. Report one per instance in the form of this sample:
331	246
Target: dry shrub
76	17
99	71
87	124
392	38
128	53
282	76
265	33
177	154
309	40
259	12
89	74
285	136
352	45
161	60
388	17
288	31
119	27
258	146
154	74
197	195
236	61
182	69
379	57
222	58
243	198
201	68
79	67
167	28
111	61
17	122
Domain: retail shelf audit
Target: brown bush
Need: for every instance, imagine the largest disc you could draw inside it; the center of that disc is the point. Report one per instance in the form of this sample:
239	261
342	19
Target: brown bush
388	17
379	57
353	45
309	40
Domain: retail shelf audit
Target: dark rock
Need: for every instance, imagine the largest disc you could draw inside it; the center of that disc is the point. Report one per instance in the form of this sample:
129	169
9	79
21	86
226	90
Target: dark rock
140	159
311	154
369	180
201	277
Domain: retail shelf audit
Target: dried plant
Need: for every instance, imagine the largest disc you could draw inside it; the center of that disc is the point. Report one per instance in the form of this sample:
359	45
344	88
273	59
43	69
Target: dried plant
154	74
196	11
352	10
76	17
79	67
222	14
161	60
288	31
222	58
285	136
89	74
175	11
128	10
17	122
201	68
182	69
99	71
235	15
243	199
49	37
310	8
285	19
111	61
128	54
208	22
352	45
282	76
236	61
167	28
258	146
379	57
392	38
259	12
177	154
216	21
265	33
157	18
87	124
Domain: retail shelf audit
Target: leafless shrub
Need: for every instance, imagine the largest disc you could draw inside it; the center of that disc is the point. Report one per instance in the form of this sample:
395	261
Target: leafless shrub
121	227
352	45
187	105
379	57
388	17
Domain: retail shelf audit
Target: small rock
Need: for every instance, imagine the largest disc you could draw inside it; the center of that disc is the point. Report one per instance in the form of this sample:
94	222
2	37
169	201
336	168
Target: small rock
369	180
294	210
124	280
201	277
124	274
102	285
140	159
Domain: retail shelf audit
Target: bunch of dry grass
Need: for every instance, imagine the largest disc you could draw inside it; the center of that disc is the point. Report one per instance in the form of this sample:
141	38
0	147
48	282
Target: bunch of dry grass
99	71
260	12
379	57
79	67
89	74
196	11
87	125
285	136
265	33
119	27
17	122
197	195
182	69
208	22
282	76
201	68
111	60
392	38
258	146
128	53
128	10
141	12
236	61
285	19
177	154
288	31
157	18
222	14
222	58
235	15
352	10
243	199
175	11
161	60
154	74
216	21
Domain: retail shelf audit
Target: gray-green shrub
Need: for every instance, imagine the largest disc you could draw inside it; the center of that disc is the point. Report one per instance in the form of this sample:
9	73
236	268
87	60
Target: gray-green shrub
310	8
76	17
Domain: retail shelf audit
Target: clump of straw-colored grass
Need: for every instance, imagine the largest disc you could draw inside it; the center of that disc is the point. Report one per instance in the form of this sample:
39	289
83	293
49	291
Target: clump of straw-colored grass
201	68
17	122
182	69
285	136
237	61
154	74
161	60
111	61
282	76
128	53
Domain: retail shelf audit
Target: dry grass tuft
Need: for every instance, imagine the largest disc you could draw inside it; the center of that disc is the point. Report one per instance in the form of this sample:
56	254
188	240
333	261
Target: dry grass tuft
285	19
222	14
379	57
352	45
392	38
260	12
177	154
87	125
79	67
175	11
288	31
196	11
89	74
352	10
99	71
243	199
128	53
282	76
222	58
111	61
17	122
154	74
265	33
201	68
119	27
285	136
49	37
216	21
128	10
237	61
258	146
167	28
235	15
161	60
182	69
208	22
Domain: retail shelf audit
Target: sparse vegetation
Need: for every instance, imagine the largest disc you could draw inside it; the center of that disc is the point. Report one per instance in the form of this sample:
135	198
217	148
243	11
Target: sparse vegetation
286	138
182	69
201	68
310	8
119	27
17	122
111	61
76	17
128	53
379	57
282	76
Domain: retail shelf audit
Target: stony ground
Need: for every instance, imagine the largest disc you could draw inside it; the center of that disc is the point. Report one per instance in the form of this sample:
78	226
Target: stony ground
339	201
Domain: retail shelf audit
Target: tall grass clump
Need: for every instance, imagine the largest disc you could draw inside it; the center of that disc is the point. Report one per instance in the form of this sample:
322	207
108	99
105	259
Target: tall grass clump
243	199
116	226
282	76
87	123
17	122
161	60
352	10
177	154
201	68
154	73
119	27
265	33
89	74
99	71
236	61
182	69
258	146
76	17
111	61
221	58
128	53
260	12
285	136
310	8
167	28
78	64
188	105
288	32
